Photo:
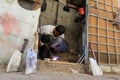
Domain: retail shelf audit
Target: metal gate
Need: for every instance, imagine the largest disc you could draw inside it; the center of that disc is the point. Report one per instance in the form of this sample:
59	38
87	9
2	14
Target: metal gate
101	33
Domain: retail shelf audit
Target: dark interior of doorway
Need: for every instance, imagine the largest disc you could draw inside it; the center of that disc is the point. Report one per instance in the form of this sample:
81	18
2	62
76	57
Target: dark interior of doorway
74	55
79	6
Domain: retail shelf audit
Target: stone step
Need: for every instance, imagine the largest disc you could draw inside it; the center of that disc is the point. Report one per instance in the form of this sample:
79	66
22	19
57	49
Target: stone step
61	66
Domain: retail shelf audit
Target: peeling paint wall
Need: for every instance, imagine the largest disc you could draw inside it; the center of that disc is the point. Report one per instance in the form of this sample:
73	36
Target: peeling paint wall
16	23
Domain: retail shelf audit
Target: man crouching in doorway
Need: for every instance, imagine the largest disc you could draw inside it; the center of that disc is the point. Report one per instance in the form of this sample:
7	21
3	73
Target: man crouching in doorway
46	38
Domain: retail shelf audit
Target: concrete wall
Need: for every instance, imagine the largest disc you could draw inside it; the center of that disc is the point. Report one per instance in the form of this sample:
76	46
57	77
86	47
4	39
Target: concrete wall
16	23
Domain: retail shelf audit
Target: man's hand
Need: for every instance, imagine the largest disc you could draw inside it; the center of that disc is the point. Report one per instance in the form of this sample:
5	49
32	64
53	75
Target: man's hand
41	43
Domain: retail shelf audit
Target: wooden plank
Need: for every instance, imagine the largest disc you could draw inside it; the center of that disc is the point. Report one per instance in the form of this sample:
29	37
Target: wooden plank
118	59
115	9
113	59
93	30
94	10
95	47
104	13
92	50
102	1
118	42
110	33
109	8
92	2
93	38
118	50
112	41
111	16
90	55
104	58
117	34
108	2
103	40
103	48
102	32
117	29
112	49
93	21
110	25
115	3
101	6
104	23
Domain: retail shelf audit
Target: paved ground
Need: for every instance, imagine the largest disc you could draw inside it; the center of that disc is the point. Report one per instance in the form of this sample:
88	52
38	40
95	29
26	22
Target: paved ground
40	75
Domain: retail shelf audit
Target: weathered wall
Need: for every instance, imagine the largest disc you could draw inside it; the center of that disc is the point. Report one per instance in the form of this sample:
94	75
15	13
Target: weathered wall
16	23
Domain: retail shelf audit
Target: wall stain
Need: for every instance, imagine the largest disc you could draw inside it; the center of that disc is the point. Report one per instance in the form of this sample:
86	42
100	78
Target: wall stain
9	23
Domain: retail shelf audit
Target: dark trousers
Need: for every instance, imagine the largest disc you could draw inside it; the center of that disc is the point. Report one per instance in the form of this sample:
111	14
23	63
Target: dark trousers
44	51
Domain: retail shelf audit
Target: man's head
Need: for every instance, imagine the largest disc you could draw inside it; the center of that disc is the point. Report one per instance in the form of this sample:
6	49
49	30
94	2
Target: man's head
58	30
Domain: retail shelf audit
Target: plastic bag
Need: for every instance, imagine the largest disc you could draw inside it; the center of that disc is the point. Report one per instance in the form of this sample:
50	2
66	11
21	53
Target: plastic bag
31	62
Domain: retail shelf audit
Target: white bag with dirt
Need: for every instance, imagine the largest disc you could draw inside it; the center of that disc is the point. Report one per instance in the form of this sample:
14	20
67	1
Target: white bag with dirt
96	70
31	62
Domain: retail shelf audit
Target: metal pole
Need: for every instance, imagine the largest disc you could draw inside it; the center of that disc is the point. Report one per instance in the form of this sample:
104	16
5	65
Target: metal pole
86	33
57	9
108	41
98	22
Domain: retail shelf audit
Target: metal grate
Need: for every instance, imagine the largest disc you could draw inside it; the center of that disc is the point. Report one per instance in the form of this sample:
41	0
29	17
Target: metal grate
101	33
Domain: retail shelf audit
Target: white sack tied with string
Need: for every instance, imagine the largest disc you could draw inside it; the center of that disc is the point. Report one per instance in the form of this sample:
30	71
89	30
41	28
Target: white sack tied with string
31	62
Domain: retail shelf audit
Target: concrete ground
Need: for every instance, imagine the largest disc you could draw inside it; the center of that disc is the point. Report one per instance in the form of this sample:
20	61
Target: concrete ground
48	75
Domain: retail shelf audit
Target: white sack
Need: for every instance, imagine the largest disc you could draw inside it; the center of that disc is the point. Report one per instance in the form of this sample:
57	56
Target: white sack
96	70
31	62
